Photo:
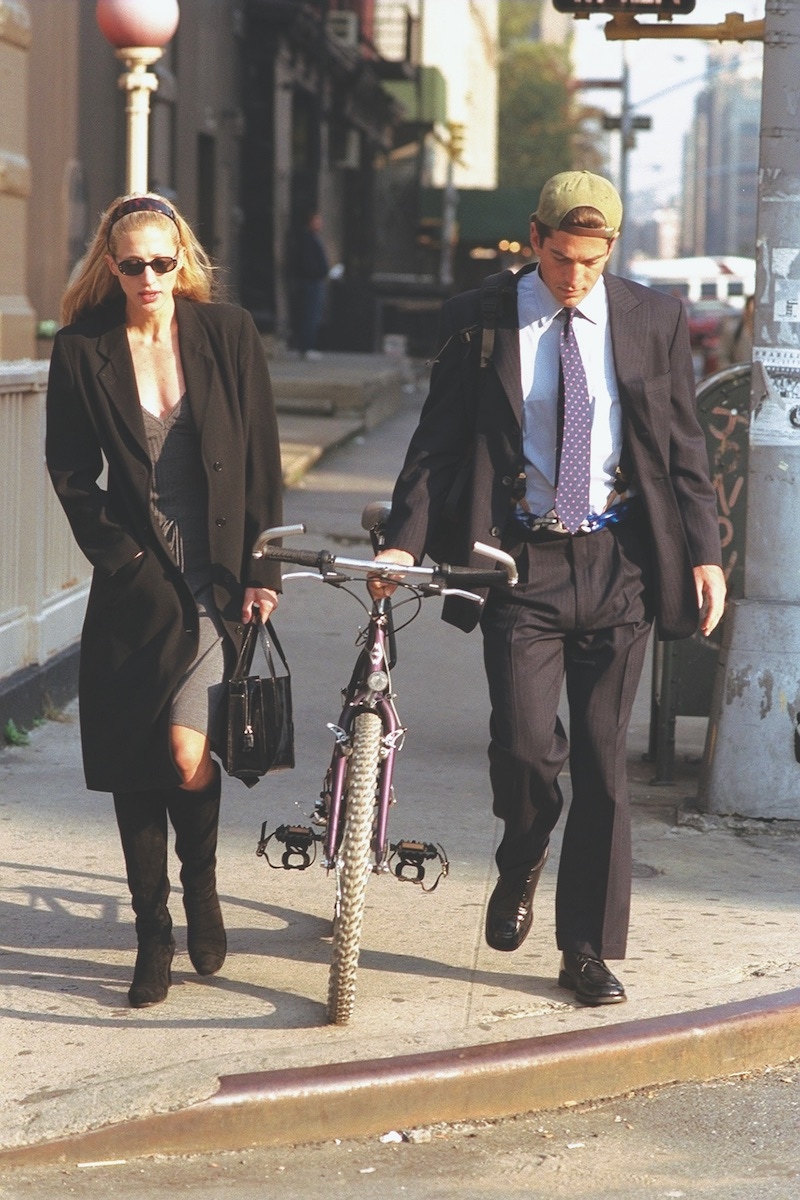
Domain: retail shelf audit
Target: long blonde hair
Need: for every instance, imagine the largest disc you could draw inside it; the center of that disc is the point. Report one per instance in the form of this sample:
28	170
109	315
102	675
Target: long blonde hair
93	284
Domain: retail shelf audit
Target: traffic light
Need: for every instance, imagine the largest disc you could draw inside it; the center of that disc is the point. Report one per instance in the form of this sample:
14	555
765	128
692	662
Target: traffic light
457	133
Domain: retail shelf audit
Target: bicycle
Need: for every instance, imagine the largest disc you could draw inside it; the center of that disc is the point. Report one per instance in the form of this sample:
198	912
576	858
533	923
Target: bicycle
352	814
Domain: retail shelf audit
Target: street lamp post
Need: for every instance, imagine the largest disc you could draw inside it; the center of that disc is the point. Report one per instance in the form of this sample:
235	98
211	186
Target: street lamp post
138	30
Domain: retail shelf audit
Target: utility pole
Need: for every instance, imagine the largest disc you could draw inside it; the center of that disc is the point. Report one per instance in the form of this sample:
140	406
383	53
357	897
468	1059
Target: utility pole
752	759
628	124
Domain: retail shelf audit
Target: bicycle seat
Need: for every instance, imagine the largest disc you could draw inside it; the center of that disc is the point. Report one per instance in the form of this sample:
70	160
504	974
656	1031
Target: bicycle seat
376	514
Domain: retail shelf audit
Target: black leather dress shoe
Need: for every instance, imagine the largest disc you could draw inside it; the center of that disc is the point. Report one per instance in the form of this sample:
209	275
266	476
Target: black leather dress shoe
509	914
590	979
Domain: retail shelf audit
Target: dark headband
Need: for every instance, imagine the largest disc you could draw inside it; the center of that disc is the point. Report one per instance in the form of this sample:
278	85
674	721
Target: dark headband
139	204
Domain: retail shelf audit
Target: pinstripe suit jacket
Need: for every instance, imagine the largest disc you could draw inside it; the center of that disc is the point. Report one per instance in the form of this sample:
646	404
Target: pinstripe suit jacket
476	415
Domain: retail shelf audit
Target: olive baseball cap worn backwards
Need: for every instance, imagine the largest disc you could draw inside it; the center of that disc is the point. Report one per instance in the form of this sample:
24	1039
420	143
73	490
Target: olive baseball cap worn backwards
577	189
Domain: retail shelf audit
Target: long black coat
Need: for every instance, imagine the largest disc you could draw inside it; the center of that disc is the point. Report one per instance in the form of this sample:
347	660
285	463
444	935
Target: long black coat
475	415
140	632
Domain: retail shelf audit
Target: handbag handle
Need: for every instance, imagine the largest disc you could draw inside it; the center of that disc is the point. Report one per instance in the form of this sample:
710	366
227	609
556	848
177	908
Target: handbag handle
257	631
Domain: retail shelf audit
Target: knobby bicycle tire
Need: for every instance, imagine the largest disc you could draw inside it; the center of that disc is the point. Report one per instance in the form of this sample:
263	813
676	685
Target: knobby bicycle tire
354	868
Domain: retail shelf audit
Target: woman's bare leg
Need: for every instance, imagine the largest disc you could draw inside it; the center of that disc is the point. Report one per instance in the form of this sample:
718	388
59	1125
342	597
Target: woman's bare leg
192	754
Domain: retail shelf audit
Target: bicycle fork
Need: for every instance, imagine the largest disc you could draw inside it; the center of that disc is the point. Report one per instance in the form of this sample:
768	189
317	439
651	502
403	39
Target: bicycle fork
369	691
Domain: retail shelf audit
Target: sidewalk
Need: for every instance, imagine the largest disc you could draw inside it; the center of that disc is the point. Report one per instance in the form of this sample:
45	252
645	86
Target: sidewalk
444	1027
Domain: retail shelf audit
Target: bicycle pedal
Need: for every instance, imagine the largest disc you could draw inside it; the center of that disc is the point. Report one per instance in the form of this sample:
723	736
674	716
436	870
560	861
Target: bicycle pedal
300	844
408	858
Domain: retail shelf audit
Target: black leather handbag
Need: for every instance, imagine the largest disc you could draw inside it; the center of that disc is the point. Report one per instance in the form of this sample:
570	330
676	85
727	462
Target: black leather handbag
260	728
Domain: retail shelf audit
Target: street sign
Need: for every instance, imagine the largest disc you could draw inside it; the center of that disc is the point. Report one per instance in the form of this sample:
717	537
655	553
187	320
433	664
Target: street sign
610	122
658	8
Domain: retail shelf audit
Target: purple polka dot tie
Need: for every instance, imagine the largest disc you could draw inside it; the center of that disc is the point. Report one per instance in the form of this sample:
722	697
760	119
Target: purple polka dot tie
572	492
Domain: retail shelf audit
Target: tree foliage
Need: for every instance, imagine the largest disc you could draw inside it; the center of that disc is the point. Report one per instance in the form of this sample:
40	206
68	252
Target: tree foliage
539	120
535	114
519	21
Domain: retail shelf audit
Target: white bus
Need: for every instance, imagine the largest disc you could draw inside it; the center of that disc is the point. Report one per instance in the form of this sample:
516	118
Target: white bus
728	278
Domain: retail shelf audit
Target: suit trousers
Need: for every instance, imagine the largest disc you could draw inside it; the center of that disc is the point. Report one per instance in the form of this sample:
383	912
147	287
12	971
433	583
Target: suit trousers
581	614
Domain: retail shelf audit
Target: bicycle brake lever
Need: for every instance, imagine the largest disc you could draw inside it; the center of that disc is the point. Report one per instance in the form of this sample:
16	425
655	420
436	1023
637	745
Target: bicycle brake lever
464	595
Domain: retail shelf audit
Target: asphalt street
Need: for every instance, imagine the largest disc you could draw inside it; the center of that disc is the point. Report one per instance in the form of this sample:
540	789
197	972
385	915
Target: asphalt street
730	1139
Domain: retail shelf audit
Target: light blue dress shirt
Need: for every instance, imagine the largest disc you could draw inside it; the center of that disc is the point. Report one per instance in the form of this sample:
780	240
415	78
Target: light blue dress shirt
539	329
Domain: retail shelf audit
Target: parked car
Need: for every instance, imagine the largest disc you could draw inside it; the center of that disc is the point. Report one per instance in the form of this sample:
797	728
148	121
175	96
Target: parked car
707	319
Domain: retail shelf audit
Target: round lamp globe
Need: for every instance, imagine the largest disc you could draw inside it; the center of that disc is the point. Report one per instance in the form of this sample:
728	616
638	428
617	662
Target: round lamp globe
137	22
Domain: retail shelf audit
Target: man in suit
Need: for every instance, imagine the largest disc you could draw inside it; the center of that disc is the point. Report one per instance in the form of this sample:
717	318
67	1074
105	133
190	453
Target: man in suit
574	446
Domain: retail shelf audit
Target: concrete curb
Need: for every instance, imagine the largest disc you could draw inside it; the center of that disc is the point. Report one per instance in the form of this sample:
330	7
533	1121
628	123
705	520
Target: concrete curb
355	1099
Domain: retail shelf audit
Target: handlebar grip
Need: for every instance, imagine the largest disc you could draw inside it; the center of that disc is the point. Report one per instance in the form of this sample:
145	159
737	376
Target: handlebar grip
319	559
466	577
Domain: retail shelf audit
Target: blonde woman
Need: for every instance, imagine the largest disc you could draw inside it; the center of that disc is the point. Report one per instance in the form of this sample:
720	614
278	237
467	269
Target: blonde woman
172	391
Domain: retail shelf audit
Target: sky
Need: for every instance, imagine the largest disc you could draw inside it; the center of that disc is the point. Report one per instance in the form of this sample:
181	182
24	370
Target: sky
665	76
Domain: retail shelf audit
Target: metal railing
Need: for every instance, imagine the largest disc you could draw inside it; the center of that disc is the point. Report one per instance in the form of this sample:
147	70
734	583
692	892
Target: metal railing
44	578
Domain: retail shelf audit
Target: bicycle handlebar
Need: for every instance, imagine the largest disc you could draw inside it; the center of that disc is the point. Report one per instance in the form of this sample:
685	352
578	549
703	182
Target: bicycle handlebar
435	576
320	559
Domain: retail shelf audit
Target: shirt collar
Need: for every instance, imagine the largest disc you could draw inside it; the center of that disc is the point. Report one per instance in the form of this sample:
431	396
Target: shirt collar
537	303
593	306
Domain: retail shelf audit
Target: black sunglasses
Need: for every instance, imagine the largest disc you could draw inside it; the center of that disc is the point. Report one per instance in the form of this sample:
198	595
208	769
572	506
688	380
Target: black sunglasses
136	266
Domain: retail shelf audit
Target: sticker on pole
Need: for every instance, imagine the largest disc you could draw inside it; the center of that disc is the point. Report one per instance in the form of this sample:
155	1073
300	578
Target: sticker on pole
776	397
786	284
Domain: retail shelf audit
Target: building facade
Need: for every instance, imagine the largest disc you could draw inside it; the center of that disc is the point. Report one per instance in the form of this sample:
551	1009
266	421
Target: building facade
721	156
264	108
16	312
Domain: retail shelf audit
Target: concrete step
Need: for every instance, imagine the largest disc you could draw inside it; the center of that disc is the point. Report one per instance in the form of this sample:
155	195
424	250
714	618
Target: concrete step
325	402
366	385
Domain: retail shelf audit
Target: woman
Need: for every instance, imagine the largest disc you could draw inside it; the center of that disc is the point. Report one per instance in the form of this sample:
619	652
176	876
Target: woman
173	392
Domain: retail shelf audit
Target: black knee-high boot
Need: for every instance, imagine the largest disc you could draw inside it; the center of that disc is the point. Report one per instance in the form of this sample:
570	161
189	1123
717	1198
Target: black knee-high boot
195	817
142	821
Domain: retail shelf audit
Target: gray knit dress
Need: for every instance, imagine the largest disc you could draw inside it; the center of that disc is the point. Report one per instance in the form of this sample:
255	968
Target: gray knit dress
179	502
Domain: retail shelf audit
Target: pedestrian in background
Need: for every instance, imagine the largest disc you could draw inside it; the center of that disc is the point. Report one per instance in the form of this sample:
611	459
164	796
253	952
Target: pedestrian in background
586	462
173	392
308	274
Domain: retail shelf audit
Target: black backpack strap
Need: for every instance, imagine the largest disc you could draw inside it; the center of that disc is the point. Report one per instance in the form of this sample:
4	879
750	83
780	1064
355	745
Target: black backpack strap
493	288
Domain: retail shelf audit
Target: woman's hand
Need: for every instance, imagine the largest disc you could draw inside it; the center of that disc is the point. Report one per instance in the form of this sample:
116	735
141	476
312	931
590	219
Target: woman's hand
264	599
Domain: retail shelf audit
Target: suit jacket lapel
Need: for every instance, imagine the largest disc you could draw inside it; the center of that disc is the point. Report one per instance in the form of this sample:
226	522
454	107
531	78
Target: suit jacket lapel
506	353
628	319
117	379
199	368
506	362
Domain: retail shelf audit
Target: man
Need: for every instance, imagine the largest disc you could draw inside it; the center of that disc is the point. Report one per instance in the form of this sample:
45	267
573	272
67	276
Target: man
587	463
309	276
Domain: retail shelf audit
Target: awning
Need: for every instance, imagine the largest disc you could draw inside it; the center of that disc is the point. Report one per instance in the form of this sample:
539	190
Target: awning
485	216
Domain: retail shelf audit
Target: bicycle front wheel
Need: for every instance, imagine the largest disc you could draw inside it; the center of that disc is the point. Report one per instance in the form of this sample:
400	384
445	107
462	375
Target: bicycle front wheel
354	864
